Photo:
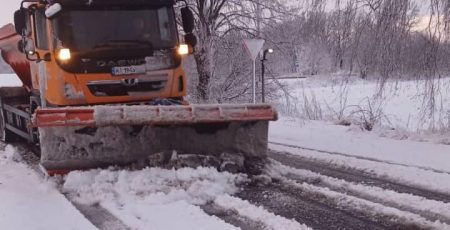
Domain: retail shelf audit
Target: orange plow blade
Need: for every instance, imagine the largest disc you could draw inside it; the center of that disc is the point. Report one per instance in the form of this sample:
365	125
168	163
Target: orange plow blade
101	136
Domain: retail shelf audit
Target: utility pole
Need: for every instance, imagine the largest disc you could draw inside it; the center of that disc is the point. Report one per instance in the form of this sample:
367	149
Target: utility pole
258	19
263	70
258	36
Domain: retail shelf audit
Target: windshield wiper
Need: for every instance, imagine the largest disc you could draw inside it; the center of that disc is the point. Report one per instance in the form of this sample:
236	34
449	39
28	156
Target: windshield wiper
122	43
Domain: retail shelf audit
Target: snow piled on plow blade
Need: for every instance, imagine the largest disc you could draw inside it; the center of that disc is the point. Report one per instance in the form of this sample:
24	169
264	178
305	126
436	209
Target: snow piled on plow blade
121	135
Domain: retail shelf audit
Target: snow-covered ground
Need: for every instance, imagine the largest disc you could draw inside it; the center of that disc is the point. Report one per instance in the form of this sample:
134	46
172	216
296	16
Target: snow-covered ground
9	80
28	202
401	106
152	198
362	144
394	149
145	199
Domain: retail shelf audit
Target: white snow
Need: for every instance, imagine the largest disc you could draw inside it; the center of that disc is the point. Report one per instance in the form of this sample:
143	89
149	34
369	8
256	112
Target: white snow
30	203
398	148
7	80
372	208
258	214
379	195
347	140
415	163
153	198
401	104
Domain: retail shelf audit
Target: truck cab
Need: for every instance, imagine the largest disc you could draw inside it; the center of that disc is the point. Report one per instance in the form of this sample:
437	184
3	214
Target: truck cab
103	51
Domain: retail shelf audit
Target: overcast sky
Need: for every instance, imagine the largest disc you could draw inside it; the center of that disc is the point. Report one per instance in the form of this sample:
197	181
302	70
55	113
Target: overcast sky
7	11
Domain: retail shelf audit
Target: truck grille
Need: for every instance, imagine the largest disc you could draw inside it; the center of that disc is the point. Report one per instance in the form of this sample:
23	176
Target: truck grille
127	87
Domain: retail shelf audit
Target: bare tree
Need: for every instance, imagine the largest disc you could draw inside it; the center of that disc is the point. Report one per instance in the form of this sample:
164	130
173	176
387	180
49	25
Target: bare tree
215	19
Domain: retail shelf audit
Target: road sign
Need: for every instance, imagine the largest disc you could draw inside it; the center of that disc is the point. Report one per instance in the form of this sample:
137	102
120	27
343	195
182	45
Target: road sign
254	46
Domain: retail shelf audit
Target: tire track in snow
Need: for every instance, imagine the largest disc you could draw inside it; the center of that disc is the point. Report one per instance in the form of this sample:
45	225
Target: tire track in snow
232	217
353	175
360	157
99	217
429	209
314	210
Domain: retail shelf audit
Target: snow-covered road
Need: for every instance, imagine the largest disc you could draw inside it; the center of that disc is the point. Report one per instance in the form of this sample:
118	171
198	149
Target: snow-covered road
299	190
153	198
419	164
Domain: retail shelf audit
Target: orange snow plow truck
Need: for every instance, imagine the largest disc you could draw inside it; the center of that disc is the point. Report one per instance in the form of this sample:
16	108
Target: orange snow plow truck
103	85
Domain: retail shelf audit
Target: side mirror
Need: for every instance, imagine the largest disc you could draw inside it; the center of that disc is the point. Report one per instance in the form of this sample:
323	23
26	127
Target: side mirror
188	20
188	26
20	23
190	39
27	46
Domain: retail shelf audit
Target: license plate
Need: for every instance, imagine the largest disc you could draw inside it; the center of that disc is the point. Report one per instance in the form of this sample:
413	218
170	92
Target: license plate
128	70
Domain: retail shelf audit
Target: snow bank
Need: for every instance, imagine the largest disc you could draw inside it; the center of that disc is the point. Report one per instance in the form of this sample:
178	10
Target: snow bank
155	197
9	155
28	202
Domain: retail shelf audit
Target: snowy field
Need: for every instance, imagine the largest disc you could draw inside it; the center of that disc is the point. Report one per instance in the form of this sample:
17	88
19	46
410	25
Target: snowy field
401	106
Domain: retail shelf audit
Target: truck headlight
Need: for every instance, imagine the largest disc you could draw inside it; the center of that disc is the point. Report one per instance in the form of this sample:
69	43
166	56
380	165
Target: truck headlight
183	49
64	54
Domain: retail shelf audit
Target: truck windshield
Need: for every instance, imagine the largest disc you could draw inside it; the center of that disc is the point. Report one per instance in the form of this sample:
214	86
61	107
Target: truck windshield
84	30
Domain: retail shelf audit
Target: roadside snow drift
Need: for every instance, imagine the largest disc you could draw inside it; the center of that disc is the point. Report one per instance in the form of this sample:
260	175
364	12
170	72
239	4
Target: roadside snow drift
30	203
153	198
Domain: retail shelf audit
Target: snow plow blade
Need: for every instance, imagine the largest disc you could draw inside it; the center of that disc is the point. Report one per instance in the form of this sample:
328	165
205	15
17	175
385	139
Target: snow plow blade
102	136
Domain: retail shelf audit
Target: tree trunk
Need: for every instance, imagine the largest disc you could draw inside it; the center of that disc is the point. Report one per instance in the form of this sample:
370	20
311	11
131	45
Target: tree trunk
204	75
204	68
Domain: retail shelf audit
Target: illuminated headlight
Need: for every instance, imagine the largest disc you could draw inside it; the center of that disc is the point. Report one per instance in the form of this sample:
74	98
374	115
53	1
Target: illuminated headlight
64	54
183	49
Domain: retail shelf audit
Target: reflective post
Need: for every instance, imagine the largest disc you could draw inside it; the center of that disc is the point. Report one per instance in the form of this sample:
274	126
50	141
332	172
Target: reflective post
254	82
263	70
